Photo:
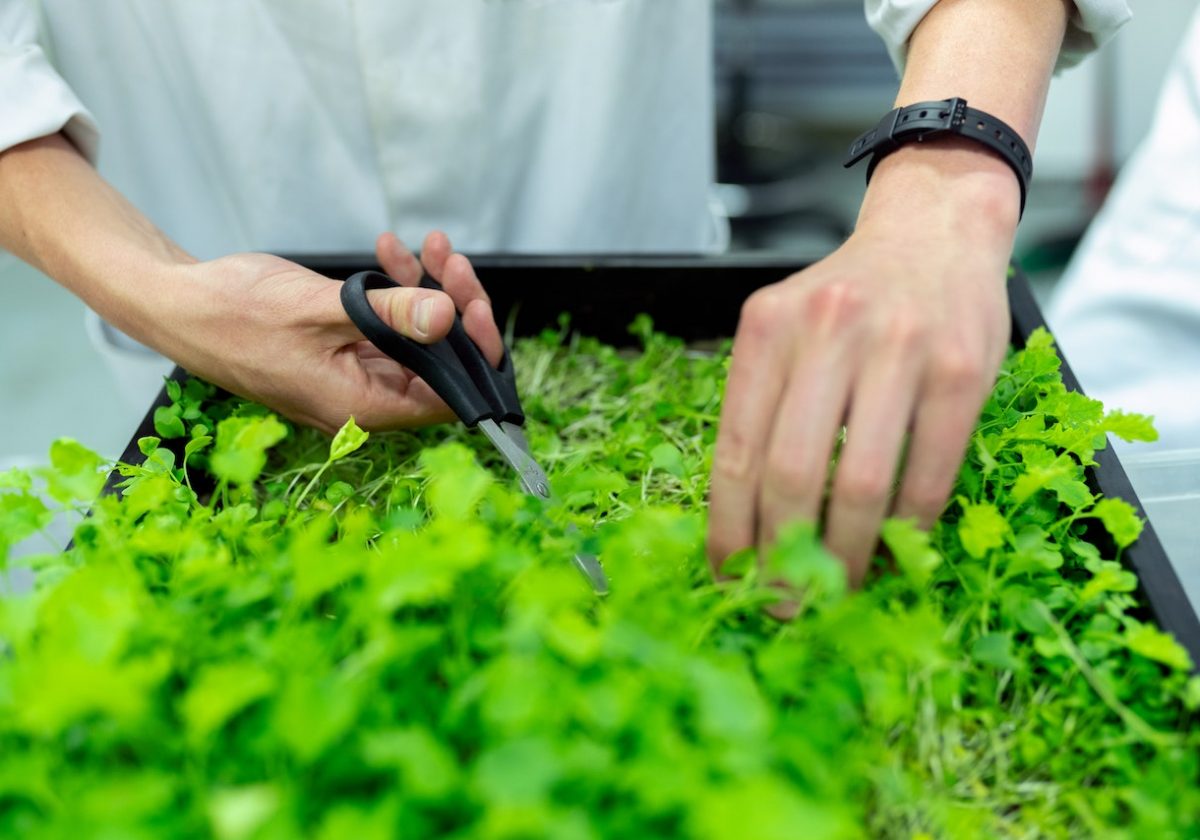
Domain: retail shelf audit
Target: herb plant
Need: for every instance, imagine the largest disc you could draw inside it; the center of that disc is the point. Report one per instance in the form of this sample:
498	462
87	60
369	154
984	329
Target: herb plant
269	635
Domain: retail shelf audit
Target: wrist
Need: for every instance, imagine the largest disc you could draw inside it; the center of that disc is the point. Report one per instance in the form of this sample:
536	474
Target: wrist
951	182
128	285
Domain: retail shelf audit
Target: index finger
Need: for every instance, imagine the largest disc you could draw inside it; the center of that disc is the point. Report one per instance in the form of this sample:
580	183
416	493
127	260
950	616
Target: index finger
397	261
756	377
458	278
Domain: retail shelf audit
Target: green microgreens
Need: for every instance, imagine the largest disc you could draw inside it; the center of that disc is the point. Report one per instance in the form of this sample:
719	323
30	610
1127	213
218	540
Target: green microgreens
268	635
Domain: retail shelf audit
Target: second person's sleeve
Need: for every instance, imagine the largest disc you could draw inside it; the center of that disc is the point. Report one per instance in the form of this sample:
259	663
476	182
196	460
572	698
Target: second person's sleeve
1091	24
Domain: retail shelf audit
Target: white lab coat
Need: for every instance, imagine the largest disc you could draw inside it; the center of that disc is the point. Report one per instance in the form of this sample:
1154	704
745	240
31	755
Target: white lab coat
1127	313
299	126
312	125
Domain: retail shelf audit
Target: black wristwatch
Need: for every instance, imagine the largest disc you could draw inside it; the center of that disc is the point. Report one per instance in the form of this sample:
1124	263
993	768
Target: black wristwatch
936	119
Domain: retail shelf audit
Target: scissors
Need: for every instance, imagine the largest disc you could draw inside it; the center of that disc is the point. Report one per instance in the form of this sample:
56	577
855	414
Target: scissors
482	396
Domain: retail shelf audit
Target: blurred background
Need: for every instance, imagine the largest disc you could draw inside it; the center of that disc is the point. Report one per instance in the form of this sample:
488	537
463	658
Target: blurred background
795	80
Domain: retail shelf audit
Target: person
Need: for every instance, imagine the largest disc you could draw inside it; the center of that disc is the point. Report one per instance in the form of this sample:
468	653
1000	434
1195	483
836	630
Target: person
1127	312
525	126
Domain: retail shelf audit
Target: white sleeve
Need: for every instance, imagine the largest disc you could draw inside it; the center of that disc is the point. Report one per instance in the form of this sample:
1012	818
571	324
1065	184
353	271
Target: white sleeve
34	99
1092	23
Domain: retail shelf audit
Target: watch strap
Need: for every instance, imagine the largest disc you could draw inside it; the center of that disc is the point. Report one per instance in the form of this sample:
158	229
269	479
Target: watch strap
922	120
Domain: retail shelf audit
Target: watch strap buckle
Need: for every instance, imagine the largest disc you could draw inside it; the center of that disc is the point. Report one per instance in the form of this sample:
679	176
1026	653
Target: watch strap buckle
907	123
924	120
882	136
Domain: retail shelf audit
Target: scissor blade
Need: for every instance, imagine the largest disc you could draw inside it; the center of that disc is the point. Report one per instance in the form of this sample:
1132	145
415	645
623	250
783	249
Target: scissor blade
517	435
589	564
533	478
511	443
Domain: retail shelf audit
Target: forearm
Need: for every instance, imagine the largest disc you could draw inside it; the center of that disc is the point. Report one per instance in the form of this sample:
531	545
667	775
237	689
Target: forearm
999	55
59	215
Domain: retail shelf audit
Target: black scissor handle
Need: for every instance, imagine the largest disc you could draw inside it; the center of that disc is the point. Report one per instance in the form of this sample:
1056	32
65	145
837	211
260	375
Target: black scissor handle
455	368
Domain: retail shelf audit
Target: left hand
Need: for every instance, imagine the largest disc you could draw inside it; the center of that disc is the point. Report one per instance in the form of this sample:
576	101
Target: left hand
901	330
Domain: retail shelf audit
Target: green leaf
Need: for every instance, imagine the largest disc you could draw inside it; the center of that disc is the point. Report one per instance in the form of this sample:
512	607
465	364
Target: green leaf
982	451
1120	520
589	486
1191	694
1047	470
316	567
729	704
800	560
362	822
16	479
1108	577
739	564
219	692
911	548
1152	643
1034	552
348	439
338	492
426	768
76	473
1026	608
196	444
168	423
643	328
517	772
765	808
456	481
1072	408
313	712
241	449
1130	427
237	813
21	516
995	649
981	528
1038	360
668	458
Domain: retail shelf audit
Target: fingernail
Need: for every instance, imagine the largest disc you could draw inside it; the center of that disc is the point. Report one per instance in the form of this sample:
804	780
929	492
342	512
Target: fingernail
424	315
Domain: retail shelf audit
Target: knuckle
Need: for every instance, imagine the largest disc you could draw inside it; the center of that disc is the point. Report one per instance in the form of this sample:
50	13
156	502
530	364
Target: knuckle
733	460
390	307
863	486
792	480
759	315
400	308
833	306
905	330
926	500
956	368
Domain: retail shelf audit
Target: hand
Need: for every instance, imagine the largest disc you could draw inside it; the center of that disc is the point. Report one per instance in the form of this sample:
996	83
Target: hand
901	330
273	331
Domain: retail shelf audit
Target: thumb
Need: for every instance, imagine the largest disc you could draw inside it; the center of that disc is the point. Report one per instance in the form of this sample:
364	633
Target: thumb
424	315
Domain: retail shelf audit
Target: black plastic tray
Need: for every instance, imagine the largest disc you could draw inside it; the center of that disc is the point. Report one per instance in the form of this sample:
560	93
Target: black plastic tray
698	298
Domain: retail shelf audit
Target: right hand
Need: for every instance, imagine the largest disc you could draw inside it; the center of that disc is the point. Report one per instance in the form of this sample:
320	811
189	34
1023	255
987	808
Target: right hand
896	336
272	331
